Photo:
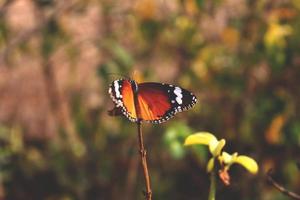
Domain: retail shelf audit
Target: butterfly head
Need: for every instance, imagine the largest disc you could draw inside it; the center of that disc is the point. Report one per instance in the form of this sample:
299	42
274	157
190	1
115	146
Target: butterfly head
134	86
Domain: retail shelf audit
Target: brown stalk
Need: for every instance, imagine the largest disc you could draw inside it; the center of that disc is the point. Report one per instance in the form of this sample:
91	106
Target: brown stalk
143	152
280	188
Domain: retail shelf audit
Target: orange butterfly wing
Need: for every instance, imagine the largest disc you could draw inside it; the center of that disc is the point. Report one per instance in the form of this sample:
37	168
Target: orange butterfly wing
128	99
156	102
122	94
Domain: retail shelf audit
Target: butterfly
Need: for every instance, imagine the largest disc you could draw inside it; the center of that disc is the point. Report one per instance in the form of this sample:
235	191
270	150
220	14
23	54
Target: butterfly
149	101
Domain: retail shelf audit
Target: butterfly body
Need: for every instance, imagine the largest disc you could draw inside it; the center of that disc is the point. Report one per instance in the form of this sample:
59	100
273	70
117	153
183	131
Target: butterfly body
150	101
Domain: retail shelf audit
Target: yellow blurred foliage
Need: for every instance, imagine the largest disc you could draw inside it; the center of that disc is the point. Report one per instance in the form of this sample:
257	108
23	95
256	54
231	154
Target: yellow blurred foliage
35	157
146	9
16	139
230	37
276	33
183	23
273	133
200	68
191	7
296	4
137	76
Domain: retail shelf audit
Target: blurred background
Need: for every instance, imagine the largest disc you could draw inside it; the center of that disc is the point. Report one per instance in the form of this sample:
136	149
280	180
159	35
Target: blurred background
240	57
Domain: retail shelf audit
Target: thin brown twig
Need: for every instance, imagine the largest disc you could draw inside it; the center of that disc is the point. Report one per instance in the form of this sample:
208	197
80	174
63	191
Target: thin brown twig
280	188
143	152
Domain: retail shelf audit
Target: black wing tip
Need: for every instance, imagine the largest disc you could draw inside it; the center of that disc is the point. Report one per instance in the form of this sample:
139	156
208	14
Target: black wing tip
170	114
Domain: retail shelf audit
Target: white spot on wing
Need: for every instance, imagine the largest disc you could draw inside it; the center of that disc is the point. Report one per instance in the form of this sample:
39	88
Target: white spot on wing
117	91
178	93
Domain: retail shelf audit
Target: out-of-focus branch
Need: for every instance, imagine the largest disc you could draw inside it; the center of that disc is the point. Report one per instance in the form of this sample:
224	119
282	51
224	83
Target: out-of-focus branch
26	35
280	188
57	100
16	41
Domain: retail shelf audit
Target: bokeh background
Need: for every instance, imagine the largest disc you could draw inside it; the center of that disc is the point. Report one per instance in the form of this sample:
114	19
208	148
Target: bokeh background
240	57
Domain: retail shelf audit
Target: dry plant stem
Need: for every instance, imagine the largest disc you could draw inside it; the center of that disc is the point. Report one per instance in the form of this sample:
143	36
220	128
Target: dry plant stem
148	192
281	188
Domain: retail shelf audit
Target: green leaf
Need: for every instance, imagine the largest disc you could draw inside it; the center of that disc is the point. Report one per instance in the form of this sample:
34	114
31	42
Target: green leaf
247	162
216	148
176	150
199	3
204	138
210	164
174	137
227	158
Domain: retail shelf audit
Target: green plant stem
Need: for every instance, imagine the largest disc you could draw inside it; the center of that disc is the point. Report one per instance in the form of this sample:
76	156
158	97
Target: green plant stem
212	189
